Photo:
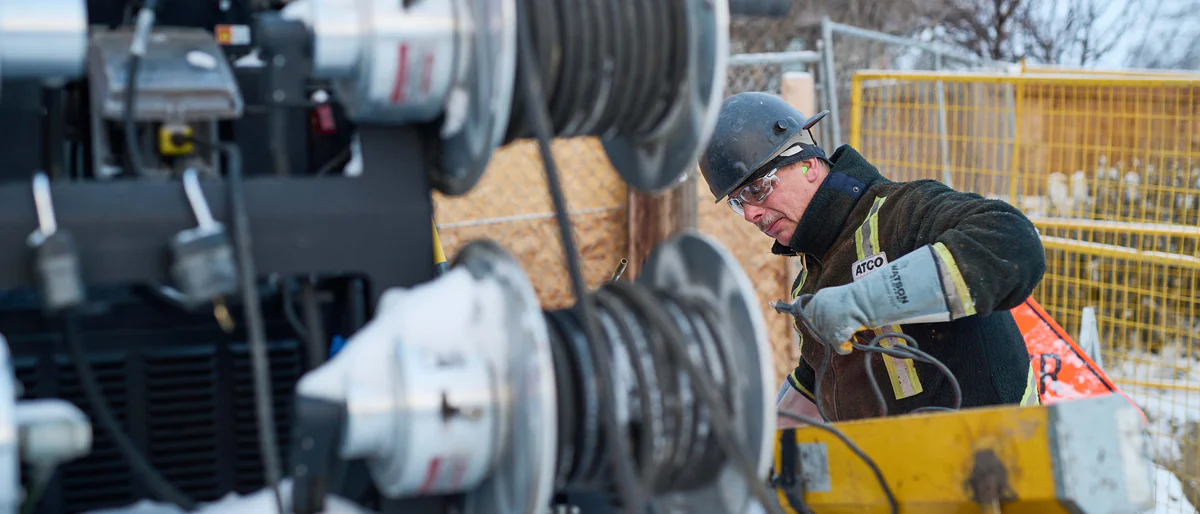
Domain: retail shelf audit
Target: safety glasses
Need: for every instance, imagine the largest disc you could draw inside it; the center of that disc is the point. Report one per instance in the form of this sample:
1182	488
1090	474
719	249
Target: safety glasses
754	193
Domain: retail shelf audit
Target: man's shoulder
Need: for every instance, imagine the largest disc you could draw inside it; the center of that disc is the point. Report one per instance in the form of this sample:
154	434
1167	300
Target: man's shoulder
921	190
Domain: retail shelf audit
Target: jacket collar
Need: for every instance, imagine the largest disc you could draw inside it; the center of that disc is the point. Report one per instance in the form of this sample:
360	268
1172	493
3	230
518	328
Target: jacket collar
849	178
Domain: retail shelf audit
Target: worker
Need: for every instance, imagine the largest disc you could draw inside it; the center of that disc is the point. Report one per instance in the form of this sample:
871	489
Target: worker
920	258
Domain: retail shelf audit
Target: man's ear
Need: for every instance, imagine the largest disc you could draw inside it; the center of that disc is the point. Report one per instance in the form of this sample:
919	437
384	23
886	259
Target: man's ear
812	172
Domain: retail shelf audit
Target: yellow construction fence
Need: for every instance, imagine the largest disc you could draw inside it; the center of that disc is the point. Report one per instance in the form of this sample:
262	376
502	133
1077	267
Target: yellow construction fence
1107	165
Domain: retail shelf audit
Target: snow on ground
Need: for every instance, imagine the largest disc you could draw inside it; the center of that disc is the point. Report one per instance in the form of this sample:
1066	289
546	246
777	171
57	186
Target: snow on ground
1170	411
1168	494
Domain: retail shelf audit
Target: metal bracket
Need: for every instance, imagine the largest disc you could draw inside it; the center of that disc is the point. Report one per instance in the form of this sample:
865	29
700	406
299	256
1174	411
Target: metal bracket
814	468
988	482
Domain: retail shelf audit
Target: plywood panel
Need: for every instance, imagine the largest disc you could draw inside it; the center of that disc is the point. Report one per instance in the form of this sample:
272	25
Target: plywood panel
770	274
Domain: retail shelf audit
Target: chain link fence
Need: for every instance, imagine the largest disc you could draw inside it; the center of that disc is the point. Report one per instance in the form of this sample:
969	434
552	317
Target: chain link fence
846	50
1108	168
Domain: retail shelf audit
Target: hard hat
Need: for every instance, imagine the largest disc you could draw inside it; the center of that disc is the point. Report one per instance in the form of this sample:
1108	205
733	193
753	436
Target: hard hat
753	129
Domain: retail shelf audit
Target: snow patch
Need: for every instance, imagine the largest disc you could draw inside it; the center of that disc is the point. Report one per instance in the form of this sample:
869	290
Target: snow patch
1167	390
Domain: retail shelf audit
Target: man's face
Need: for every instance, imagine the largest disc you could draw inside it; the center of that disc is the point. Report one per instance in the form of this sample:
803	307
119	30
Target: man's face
779	214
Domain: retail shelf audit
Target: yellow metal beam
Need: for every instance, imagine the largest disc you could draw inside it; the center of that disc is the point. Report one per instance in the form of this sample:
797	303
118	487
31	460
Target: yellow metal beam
1135	72
1118	227
1159	384
856	114
1039	79
1120	252
1082	456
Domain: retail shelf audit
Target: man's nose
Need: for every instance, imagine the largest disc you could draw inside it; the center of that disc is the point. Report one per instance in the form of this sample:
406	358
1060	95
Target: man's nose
753	213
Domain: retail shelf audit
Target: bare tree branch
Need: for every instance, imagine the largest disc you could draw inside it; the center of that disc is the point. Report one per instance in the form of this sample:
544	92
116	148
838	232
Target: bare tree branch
1045	31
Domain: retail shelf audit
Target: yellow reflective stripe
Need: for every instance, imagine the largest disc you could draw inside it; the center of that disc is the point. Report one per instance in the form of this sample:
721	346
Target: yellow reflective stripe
873	220
960	285
796	383
902	372
795	294
858	243
866	237
800	283
1030	397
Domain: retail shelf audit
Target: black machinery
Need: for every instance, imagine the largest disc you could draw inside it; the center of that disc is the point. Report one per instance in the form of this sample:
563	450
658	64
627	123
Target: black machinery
200	197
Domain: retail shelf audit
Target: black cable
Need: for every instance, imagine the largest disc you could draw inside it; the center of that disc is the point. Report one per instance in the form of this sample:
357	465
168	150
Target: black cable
912	351
720	416
827	358
260	361
317	352
342	158
670	348
53	132
883	407
535	110
289	309
137	50
867	352
151	478
908	352
887	490
606	68
252	309
639	356
715	354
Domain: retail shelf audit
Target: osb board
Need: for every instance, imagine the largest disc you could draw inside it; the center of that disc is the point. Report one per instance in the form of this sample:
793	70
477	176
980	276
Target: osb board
768	273
601	239
514	183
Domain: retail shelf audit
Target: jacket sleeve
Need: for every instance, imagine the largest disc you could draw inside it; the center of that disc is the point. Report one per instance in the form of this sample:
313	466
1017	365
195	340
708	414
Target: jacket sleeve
804	380
989	254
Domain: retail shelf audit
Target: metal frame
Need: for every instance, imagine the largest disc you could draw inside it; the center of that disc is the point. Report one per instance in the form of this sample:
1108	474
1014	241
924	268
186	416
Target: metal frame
374	225
758	59
939	51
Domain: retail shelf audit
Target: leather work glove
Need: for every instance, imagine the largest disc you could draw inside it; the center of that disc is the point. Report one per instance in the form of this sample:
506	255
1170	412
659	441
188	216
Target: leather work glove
908	290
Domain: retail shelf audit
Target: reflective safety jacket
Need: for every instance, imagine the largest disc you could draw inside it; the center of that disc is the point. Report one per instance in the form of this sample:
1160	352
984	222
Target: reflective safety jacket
858	221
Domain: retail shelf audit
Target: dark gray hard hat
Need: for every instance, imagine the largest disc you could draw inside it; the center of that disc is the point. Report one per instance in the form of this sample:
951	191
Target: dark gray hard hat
753	130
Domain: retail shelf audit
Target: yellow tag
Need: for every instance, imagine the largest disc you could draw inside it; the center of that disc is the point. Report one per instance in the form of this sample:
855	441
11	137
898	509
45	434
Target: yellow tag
166	140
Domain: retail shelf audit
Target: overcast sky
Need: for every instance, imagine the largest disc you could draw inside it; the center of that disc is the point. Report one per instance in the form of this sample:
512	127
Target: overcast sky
1164	25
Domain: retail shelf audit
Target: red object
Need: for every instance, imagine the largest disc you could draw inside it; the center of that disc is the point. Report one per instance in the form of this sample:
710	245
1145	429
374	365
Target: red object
224	34
1063	371
323	120
401	80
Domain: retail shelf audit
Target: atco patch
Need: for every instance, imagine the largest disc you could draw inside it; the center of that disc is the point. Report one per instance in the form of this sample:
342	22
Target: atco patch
866	266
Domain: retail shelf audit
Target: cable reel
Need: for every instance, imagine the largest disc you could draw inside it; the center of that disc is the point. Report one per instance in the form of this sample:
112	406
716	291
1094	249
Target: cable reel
647	78
691	307
46	39
498	401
